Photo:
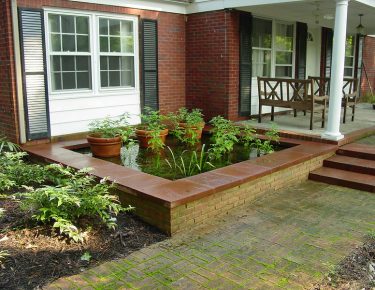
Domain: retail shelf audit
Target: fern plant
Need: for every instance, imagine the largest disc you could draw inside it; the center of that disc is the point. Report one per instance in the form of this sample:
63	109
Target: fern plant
63	206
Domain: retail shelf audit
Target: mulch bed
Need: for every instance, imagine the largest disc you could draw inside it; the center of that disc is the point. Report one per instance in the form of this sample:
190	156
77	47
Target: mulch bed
38	255
356	271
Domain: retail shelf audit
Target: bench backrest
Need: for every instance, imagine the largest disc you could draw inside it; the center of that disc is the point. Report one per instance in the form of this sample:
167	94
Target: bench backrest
288	90
322	85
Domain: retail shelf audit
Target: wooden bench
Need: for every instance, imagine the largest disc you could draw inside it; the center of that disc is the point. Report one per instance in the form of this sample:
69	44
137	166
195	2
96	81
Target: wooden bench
349	91
290	93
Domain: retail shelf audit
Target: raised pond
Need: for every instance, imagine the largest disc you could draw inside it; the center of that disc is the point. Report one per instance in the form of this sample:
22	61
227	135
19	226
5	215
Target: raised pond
174	162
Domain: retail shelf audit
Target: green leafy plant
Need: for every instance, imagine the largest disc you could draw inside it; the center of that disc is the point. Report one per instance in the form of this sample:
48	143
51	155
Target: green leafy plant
15	172
2	212
247	135
111	128
3	255
187	125
267	146
224	136
193	164
63	206
86	257
6	145
152	121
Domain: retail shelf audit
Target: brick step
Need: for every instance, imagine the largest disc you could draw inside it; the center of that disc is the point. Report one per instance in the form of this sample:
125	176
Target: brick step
351	164
358	150
345	178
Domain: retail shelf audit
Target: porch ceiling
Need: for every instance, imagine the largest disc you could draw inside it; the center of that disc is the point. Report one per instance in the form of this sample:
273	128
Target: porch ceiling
305	11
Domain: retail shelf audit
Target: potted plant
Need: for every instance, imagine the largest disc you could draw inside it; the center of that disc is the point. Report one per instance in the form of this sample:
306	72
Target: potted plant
189	125
106	136
152	132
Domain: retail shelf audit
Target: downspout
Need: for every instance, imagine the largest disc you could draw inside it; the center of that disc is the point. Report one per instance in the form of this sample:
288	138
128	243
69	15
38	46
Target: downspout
18	68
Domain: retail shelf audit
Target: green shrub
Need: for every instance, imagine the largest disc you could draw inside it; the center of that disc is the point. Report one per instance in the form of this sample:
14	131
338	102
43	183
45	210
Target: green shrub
16	172
2	212
63	206
224	136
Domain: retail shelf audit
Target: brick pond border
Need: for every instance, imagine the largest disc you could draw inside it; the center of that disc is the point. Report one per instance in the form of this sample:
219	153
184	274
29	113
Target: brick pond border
175	206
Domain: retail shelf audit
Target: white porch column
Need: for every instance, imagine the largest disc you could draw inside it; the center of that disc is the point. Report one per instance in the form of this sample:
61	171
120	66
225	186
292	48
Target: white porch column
337	72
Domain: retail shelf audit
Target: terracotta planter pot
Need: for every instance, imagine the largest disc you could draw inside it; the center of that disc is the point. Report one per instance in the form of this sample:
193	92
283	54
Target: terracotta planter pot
144	136
197	129
104	147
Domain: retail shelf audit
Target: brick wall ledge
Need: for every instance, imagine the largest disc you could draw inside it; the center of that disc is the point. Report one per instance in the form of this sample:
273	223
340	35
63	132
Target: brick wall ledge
156	198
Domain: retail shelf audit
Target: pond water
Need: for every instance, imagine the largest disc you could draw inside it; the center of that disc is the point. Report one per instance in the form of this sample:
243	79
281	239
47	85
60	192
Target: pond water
164	165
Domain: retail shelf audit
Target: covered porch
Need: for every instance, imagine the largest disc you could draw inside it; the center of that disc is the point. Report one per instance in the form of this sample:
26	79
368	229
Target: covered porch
333	50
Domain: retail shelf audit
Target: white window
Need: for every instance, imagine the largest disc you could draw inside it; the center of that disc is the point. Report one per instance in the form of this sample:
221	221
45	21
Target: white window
88	52
116	53
70	55
349	56
273	48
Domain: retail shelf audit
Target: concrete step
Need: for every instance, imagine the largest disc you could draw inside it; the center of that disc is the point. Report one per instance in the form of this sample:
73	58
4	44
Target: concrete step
358	150
345	178
351	164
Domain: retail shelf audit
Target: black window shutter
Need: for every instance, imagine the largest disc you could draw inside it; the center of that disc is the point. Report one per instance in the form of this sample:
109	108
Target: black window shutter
328	51
34	73
150	87
301	44
245	64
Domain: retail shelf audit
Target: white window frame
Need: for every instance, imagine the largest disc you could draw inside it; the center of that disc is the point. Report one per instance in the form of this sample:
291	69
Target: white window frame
96	89
273	46
105	89
352	56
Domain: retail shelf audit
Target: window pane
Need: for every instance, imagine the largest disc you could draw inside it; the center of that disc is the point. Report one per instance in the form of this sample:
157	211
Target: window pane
69	81
114	27
348	72
262	33
104	79
349	61
103	63
54	23
114	62
56	42
115	45
103	43
284	36
83	80
56	81
126	28
114	78
68	43
83	63
127	44
67	24
284	57
283	71
68	63
261	63
56	66
127	71
103	27
82	25
83	43
349	45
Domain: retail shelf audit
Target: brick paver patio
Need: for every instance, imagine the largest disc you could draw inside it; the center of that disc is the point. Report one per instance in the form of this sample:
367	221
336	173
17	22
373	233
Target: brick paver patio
287	239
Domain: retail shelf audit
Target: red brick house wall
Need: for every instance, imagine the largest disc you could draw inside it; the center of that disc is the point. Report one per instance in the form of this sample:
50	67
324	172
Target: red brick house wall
369	62
212	63
8	101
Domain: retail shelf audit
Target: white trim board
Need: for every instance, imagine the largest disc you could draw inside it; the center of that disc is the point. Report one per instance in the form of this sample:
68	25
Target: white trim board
154	5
